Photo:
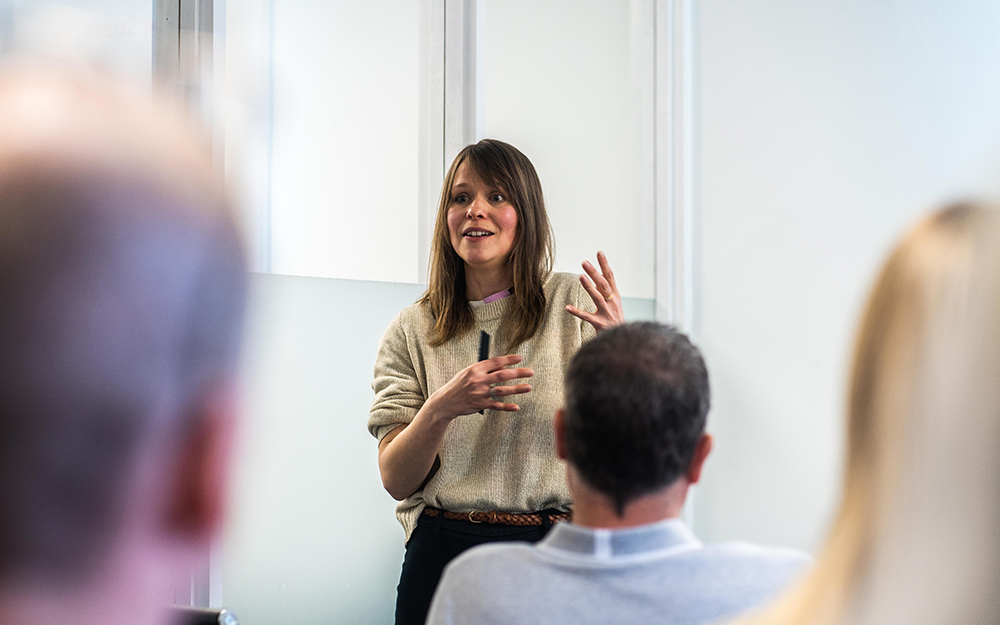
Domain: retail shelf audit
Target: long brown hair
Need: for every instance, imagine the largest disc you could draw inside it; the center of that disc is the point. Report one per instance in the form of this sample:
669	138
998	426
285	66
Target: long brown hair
502	165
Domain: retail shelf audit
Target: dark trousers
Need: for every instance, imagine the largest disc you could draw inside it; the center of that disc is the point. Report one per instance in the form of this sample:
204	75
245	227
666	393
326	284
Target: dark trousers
434	543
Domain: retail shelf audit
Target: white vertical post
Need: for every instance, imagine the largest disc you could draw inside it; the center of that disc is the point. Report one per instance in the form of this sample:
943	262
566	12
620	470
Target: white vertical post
479	97
217	109
218	119
184	64
183	53
430	161
264	255
195	58
462	99
676	254
688	173
676	287
663	217
166	42
642	67
6	25
451	100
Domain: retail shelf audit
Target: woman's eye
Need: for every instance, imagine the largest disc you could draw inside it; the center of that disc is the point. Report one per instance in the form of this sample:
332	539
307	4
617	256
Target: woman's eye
496	197
461	198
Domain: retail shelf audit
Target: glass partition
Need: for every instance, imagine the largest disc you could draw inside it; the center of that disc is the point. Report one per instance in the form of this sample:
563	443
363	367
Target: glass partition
113	36
343	159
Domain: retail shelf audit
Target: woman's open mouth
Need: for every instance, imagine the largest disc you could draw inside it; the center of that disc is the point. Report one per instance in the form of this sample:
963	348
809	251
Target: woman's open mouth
477	233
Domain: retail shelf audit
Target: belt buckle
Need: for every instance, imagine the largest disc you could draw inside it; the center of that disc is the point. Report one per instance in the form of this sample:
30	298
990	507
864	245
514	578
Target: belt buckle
471	520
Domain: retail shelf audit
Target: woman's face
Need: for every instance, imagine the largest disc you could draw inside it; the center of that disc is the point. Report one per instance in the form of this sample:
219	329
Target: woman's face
481	220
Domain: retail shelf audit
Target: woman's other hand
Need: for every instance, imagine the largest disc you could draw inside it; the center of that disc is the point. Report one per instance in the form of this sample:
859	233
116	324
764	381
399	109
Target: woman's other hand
406	454
476	388
604	291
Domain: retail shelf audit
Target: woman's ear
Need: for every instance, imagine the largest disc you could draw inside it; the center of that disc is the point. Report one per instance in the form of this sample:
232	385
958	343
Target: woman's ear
560	433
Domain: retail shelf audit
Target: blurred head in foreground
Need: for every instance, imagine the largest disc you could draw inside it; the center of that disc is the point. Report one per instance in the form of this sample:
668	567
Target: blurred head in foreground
121	303
915	540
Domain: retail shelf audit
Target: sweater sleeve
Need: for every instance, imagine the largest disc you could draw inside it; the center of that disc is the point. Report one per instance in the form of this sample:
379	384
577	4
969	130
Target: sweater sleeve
398	392
585	302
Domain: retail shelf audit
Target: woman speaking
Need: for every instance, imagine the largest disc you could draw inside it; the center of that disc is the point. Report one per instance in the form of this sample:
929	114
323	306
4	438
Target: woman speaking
467	380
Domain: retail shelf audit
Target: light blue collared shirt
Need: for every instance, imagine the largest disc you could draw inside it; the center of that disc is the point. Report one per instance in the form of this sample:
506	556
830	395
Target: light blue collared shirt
658	573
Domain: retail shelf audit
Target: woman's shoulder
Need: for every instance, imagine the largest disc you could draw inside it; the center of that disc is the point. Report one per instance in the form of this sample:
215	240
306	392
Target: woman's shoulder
561	281
416	310
413	318
563	287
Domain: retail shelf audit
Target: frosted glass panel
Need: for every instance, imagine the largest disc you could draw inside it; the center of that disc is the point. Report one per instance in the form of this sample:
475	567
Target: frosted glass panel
344	153
570	83
114	36
313	536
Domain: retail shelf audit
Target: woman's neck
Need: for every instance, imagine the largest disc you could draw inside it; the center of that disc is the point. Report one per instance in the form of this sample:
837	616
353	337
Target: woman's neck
482	282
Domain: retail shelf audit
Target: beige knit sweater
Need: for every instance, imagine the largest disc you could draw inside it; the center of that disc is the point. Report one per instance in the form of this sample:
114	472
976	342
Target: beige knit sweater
501	461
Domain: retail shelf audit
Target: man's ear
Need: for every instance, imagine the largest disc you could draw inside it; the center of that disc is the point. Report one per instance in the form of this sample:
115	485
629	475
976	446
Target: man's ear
701	451
560	432
202	473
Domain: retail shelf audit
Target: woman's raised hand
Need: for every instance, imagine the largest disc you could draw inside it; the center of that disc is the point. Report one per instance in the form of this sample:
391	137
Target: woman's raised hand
604	292
474	388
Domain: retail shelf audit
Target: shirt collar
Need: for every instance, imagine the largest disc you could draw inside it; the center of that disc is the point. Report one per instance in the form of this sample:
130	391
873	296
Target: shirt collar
492	298
606	544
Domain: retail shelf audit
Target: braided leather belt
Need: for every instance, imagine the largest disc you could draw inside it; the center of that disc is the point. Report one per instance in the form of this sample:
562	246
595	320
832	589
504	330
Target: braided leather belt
498	518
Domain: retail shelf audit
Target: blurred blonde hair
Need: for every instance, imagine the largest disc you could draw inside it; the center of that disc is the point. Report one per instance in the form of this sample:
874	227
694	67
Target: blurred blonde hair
916	537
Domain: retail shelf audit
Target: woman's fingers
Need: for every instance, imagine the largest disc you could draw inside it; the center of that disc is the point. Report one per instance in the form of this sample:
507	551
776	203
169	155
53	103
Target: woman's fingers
516	389
505	375
501	362
599	281
599	300
504	391
609	275
582	314
505	407
602	288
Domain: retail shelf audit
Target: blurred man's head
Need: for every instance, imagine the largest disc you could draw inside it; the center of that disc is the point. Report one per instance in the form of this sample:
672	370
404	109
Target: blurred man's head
637	398
122	287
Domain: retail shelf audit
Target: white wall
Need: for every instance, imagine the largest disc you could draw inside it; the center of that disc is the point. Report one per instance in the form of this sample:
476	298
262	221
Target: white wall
825	128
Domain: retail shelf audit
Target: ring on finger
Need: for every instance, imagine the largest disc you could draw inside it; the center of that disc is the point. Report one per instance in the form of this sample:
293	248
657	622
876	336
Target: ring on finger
608	298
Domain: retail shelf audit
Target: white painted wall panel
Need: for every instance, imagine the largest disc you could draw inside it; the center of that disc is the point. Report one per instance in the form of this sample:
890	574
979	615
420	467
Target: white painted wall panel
825	129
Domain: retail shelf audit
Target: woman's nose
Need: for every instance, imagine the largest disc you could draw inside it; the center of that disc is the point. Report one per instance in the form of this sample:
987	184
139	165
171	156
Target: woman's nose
476	209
